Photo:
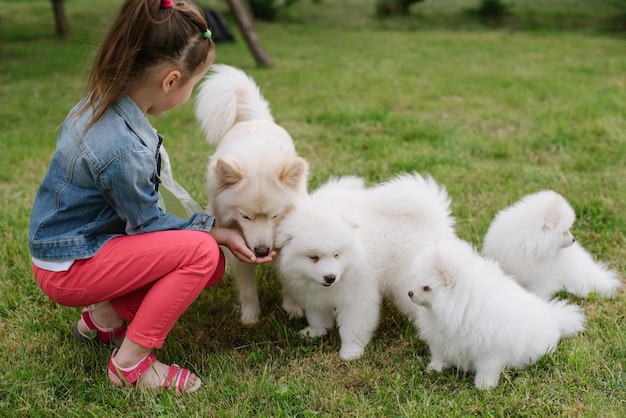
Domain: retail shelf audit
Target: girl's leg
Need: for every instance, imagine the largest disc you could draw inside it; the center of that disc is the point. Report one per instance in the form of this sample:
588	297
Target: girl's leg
148	279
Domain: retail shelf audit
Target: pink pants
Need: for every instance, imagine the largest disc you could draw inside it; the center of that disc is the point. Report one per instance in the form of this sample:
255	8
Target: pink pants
150	279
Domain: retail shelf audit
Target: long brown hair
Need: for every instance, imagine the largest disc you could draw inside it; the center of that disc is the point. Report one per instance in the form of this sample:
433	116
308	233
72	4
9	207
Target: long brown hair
142	36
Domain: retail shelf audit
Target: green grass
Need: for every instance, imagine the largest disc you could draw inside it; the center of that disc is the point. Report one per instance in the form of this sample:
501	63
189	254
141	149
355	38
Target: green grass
492	114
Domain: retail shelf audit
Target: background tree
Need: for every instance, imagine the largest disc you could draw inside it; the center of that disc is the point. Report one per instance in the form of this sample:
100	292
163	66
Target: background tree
61	24
244	19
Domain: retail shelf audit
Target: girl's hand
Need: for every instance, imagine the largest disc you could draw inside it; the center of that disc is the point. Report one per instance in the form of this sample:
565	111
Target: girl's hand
235	242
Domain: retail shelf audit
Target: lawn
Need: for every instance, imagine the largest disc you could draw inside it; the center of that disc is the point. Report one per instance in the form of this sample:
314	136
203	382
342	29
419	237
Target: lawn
491	112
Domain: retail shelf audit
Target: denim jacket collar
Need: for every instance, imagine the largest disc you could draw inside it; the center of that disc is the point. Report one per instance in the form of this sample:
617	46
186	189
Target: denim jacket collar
138	122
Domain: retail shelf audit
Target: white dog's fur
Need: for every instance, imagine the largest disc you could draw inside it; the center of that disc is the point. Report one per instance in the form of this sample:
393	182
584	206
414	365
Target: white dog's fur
345	249
532	242
478	319
254	177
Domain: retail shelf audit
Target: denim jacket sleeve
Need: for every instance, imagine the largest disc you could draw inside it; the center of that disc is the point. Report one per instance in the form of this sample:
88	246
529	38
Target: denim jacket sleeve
128	184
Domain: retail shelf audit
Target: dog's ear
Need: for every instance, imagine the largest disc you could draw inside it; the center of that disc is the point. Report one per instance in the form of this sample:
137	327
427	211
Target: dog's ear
558	213
552	215
228	171
447	269
294	173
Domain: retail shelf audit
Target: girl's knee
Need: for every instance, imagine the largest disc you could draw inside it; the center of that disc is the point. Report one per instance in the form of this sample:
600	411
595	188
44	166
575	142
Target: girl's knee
207	241
209	256
219	271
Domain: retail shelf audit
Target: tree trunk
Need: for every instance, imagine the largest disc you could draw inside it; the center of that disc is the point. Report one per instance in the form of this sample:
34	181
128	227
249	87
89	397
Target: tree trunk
243	16
61	25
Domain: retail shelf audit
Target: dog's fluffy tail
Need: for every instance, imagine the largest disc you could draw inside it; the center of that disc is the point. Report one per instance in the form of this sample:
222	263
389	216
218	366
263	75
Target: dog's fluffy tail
583	274
228	96
413	195
570	318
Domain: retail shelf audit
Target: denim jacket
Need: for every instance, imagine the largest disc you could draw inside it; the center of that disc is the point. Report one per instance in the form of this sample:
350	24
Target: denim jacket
101	185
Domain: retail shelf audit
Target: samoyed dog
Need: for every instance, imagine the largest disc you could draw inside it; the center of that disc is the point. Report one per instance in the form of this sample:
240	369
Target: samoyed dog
532	241
255	176
478	319
346	247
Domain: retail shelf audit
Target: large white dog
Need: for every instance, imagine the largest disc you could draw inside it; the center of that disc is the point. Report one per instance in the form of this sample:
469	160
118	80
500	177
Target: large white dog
255	176
346	247
532	242
478	319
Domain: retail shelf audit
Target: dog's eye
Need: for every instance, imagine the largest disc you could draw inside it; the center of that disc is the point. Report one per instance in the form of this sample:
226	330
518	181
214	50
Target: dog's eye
426	288
314	258
336	255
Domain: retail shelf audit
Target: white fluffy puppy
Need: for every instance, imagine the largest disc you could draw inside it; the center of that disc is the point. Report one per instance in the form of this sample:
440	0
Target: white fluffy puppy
532	242
254	177
478	319
345	249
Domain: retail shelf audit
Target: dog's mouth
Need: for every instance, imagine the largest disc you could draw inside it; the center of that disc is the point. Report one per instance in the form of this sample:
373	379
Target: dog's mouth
329	280
261	250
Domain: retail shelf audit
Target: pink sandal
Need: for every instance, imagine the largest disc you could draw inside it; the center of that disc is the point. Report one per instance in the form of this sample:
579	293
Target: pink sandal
97	334
121	376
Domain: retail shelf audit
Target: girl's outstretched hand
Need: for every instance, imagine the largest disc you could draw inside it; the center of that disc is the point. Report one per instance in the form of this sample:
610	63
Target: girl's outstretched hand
235	242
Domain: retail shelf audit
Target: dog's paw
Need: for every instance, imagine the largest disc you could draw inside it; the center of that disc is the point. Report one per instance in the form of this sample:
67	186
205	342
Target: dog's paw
313	332
486	380
435	365
250	316
351	353
292	307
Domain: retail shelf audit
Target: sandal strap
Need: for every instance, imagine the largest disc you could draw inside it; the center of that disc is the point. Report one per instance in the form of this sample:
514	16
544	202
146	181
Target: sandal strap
181	380
178	376
131	374
171	374
103	335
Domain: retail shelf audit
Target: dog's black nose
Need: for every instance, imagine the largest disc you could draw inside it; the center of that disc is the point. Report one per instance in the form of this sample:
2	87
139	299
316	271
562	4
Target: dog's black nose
330	278
410	293
261	251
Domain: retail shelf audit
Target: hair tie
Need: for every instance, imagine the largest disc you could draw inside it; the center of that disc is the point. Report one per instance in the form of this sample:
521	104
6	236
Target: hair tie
207	34
166	4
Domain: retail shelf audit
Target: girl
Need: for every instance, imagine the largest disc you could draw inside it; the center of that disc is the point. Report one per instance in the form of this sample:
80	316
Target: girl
96	233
